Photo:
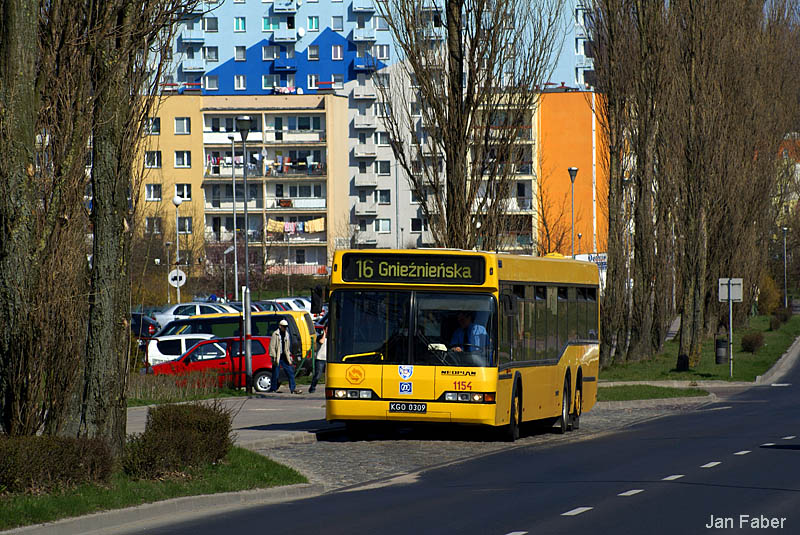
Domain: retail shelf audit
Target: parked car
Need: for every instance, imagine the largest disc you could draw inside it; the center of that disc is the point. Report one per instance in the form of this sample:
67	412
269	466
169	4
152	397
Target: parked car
321	323
225	357
296	303
272	306
143	328
167	348
301	330
239	306
186	310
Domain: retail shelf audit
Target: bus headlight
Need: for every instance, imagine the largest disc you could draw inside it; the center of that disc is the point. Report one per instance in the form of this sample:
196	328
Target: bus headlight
341	394
477	398
463	396
451	396
365	394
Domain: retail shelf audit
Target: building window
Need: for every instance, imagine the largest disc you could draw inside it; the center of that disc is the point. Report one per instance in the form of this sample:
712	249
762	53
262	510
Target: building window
290	80
268	81
362	195
338	81
382	51
337	24
385	196
381	138
383	226
270	24
336	52
211	83
239	24
288	50
313	23
240	82
300	256
152	126
152	159
269	53
183	158
419	224
312	81
211	24
362	225
384	167
152	225
240	53
184	226
382	109
184	191
152	192
313	52
211	53
380	23
183	125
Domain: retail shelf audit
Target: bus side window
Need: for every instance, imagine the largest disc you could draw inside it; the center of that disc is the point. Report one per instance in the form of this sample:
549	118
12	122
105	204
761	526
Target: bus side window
582	311
563	310
591	309
572	329
540	299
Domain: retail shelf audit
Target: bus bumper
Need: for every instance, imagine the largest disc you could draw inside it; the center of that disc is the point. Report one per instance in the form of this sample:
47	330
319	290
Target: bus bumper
467	413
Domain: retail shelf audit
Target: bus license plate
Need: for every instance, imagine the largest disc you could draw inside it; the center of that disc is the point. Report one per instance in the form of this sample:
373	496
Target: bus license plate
397	406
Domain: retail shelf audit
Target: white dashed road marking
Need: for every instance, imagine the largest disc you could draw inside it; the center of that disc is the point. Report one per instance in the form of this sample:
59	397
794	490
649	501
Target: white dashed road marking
630	492
768	444
781	384
743	452
672	478
790	437
577	511
517	533
712	464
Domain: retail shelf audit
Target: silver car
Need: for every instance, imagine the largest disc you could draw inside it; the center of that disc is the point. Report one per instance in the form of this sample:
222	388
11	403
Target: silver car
187	310
167	348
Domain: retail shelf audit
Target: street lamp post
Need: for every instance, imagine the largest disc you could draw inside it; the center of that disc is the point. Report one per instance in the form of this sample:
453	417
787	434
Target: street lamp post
243	124
785	290
225	269
579	242
235	253
169	268
176	200
573	172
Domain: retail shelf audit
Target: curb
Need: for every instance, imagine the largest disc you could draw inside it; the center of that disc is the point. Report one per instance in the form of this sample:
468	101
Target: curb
658	402
134	519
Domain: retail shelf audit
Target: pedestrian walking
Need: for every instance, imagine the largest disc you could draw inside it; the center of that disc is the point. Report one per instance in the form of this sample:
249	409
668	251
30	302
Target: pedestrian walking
321	359
281	355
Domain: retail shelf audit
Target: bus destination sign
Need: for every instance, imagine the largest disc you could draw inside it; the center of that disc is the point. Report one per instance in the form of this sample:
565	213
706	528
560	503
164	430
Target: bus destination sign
413	268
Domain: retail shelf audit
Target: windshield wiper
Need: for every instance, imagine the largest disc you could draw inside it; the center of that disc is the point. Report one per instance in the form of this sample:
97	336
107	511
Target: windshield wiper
369	354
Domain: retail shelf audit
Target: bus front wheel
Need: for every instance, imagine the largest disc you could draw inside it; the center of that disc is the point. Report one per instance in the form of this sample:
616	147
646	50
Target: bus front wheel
512	429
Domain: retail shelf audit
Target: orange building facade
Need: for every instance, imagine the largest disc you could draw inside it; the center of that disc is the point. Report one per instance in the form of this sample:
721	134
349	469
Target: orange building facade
570	135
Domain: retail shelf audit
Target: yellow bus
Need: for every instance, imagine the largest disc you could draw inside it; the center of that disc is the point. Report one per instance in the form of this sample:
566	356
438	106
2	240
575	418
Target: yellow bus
461	336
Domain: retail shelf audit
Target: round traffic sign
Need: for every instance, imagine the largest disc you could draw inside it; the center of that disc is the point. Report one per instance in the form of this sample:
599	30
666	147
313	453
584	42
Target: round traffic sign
177	278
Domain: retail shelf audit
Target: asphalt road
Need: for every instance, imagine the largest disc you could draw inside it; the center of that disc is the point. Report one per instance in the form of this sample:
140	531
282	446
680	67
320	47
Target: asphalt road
696	472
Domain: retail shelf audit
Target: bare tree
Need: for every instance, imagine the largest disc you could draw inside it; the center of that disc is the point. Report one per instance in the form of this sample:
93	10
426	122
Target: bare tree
459	105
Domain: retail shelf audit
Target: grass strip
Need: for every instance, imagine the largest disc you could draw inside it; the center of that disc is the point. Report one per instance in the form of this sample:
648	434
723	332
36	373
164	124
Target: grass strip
240	470
181	397
635	392
746	366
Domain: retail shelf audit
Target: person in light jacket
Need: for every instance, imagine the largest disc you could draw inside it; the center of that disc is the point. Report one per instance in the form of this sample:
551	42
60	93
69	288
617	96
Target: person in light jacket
321	359
281	355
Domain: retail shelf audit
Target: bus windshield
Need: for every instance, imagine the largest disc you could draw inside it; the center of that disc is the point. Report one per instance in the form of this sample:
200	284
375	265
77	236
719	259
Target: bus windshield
420	328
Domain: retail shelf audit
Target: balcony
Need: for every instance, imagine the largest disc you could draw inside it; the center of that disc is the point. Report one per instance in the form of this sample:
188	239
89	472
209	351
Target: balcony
284	6
193	35
365	92
363	6
223	171
297	203
285	64
193	65
365	121
222	205
296	170
365	150
520	204
366	180
284	35
367	63
221	138
366	237
366	208
361	35
293	137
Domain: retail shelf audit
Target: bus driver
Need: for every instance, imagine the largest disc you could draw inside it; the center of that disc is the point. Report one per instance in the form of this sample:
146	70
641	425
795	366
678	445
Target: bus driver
469	336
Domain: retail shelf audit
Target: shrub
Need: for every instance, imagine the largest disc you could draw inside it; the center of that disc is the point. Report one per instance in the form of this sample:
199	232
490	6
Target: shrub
783	314
769	297
43	463
774	323
752	341
179	437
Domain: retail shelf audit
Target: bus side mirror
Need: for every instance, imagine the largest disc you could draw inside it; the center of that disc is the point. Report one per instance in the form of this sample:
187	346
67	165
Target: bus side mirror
509	303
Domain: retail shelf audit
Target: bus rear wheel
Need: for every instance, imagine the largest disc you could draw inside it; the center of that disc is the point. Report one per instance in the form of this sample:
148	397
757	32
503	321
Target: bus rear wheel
562	426
575	419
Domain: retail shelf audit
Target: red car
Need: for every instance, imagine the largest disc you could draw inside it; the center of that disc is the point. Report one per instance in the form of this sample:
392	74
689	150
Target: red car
224	357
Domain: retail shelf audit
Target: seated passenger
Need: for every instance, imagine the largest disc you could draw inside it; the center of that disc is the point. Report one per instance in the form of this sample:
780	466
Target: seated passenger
468	336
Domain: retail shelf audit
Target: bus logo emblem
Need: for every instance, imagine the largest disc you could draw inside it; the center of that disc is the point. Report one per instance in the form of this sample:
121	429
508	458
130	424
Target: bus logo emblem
355	375
405	388
405	373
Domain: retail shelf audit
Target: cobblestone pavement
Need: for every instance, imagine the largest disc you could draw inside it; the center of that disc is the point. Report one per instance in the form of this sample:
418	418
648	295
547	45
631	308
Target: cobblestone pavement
336	462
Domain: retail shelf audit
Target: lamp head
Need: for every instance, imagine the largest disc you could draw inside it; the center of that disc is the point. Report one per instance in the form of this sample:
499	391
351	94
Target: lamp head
243	125
176	200
573	172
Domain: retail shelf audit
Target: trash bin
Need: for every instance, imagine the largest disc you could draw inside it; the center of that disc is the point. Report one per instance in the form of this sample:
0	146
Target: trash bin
722	350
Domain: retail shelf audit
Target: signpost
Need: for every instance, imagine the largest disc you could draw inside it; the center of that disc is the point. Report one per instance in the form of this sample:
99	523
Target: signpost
730	290
177	278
